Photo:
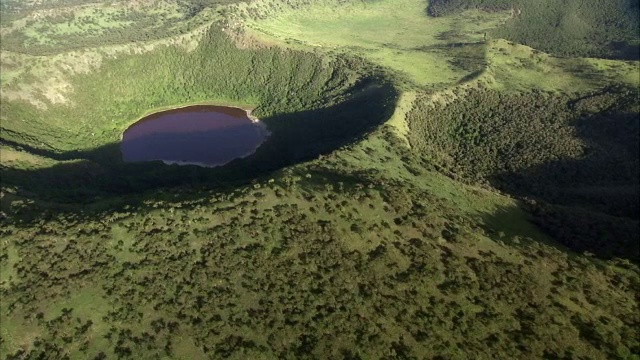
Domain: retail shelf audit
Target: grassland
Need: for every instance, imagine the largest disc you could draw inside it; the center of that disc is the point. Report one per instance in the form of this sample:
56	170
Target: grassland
343	236
395	34
513	67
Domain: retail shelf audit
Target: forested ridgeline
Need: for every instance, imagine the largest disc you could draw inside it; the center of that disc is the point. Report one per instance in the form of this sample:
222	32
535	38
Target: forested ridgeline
15	8
579	151
23	5
607	29
52	28
142	28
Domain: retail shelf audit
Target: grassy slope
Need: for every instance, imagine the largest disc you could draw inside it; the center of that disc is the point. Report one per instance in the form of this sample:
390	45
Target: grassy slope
513	67
41	80
323	261
394	34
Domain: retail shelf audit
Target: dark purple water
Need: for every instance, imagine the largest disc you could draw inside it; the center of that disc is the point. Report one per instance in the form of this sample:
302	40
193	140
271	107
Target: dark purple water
201	135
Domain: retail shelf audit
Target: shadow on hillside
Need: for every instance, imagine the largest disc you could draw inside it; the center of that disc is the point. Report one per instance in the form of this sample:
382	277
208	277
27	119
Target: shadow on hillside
605	179
624	50
573	228
464	56
592	203
590	72
100	174
70	155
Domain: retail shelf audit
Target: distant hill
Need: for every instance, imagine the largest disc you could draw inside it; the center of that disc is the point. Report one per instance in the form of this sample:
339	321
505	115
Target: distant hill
602	28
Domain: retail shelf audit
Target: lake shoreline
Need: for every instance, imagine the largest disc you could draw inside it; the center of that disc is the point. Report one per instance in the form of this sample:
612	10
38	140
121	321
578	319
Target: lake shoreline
242	113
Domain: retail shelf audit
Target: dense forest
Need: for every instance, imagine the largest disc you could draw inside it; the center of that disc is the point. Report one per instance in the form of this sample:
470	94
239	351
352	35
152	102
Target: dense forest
578	151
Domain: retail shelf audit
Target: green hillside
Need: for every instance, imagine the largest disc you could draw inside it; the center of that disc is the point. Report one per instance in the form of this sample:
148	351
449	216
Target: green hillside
600	28
443	180
577	152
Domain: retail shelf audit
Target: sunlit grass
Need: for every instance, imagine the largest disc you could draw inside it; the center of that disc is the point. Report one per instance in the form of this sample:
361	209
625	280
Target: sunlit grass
513	67
401	37
394	34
